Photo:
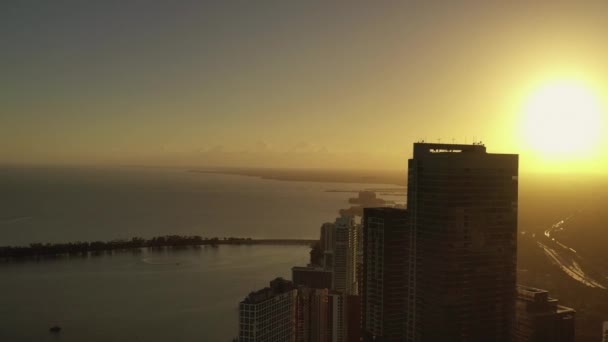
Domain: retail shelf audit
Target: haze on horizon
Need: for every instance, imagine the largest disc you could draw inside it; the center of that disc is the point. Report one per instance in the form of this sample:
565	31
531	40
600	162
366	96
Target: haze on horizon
275	84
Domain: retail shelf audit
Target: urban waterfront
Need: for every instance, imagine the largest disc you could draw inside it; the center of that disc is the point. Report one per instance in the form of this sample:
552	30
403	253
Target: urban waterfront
193	293
179	294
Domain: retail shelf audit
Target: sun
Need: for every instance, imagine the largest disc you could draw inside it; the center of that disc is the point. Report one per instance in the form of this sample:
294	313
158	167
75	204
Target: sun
562	120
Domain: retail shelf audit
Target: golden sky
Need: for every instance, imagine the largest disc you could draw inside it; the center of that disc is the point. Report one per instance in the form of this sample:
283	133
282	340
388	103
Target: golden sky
300	85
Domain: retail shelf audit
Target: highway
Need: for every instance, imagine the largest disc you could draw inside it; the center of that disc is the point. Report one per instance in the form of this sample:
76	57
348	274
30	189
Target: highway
568	259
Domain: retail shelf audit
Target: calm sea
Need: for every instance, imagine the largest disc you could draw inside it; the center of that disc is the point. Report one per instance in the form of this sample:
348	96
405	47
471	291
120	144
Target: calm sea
54	205
184	295
175	295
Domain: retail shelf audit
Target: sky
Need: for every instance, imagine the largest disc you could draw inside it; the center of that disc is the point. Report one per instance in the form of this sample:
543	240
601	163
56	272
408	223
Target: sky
312	84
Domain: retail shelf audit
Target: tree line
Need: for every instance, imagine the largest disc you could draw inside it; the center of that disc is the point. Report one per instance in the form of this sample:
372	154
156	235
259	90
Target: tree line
80	247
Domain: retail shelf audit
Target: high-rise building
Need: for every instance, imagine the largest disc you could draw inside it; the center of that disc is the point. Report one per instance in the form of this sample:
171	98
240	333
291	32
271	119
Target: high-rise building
352	259
462	204
312	277
352	317
327	236
327	244
359	269
345	256
540	318
337	322
385	250
269	314
312	315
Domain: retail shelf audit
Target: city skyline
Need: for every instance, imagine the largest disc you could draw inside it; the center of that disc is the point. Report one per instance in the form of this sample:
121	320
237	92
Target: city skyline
442	269
314	171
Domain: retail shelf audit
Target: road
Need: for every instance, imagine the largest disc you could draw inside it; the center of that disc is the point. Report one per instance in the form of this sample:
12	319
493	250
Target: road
568	259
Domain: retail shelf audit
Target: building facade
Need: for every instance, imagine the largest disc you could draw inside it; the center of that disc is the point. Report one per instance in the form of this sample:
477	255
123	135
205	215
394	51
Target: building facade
327	243
384	297
312	315
312	277
462	204
269	315
540	318
337	322
344	269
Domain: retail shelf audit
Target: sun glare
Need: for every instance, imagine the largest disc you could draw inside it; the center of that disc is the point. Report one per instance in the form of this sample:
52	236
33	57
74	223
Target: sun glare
562	120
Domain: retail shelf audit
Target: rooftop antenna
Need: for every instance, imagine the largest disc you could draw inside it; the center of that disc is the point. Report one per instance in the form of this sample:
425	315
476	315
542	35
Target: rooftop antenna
439	140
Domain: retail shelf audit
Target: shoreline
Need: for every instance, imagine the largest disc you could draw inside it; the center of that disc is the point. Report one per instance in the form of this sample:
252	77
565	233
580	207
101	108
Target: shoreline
48	250
391	178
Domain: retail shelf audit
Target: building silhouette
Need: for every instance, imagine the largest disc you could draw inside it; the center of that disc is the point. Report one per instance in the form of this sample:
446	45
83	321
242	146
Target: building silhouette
540	318
337	321
312	277
384	289
462	204
326	244
444	269
344	268
269	314
352	317
312	315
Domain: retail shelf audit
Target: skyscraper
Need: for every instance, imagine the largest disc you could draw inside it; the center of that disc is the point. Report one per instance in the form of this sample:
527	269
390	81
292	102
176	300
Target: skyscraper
269	314
462	204
539	318
312	315
385	250
345	255
337	321
326	243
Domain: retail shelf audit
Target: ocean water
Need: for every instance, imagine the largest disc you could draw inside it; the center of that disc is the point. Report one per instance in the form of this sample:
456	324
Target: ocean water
173	295
55	205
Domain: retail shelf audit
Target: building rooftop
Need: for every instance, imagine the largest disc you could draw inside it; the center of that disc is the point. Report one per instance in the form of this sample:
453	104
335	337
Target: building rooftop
309	269
277	287
539	296
390	210
423	148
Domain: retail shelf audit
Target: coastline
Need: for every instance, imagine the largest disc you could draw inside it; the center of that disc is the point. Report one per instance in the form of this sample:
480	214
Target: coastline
38	250
391	177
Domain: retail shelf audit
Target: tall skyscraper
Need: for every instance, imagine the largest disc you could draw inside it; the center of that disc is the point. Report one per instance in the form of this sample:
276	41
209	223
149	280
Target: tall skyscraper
385	250
352	317
462	204
269	314
345	255
327	239
539	318
327	244
312	315
337	321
